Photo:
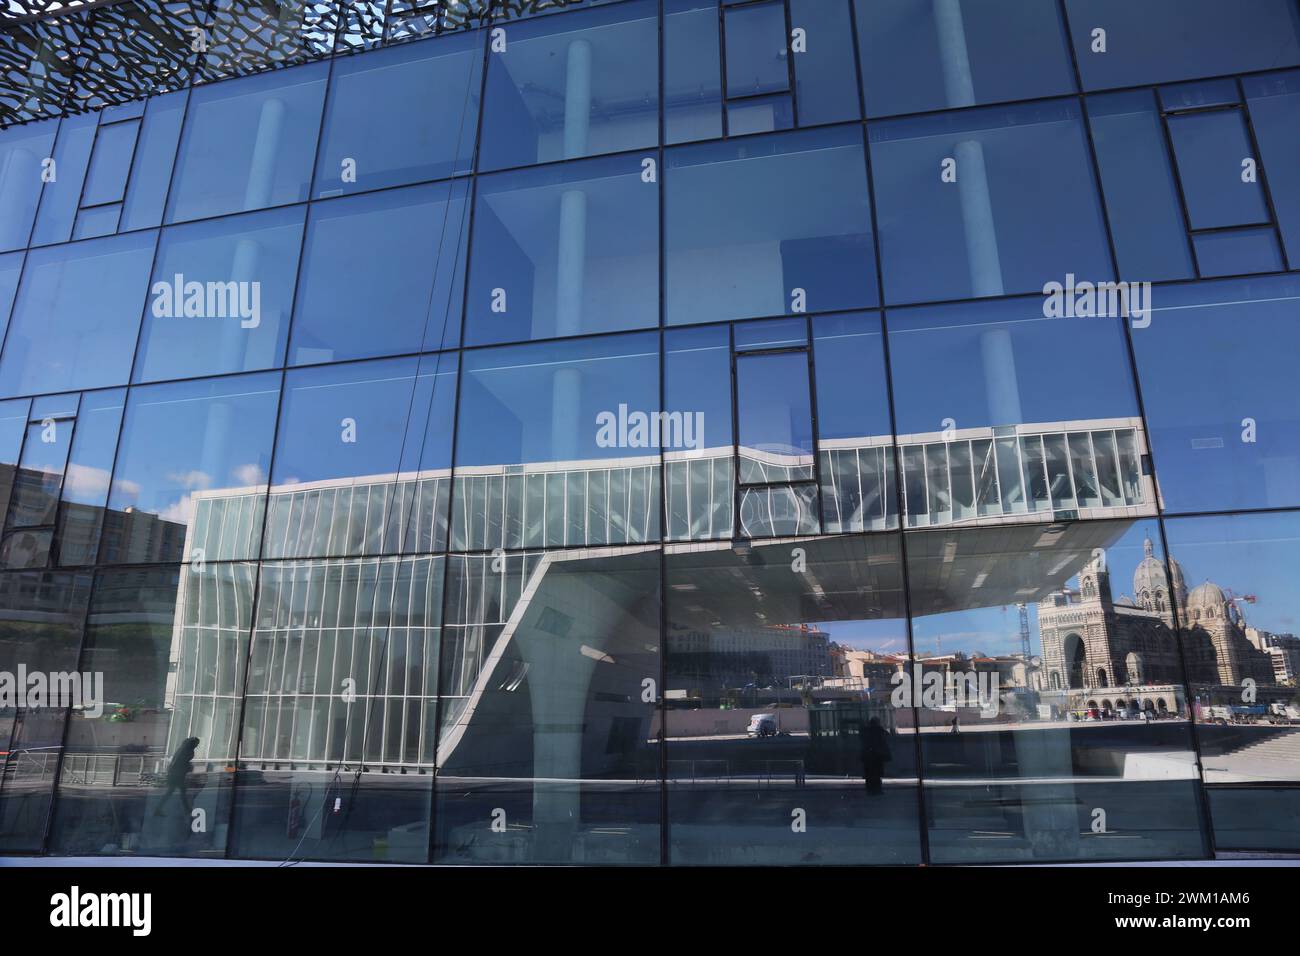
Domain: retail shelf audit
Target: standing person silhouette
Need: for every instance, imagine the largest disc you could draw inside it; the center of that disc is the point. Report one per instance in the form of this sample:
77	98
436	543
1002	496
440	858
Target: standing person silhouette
875	754
178	773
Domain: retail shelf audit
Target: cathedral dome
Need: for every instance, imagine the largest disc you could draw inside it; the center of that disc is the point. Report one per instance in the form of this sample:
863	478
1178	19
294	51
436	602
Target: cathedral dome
1207	595
1150	574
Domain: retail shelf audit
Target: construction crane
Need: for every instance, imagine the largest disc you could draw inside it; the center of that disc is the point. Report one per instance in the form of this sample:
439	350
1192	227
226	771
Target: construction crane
1235	600
1024	630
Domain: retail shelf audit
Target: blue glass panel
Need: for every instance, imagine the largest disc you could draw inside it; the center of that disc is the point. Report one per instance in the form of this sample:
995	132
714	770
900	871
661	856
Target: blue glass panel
154	154
699	486
55	406
221	296
100	221
22	152
760	114
557	401
62	195
983	364
382	275
563	250
1237	252
1018	209
825	75
248	143
922	55
347	421
11	266
186	448
13	426
1217	366
1183	96
90	466
692	71
772	334
758	54
575	85
1210	149
751	223
110	163
40	475
76	316
774	411
1213	38
122	111
350	441
697	379
401	115
852	401
1146	220
1274	101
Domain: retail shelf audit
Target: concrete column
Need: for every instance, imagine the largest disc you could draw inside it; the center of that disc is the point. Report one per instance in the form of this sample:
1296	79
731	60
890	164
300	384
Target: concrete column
978	226
571	250
958	83
266	152
1000	384
577	99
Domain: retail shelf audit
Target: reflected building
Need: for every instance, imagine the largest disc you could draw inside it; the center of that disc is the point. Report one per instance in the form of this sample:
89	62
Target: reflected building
644	436
1116	649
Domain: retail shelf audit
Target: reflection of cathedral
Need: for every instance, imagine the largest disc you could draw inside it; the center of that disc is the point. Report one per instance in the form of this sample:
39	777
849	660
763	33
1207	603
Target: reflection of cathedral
1091	641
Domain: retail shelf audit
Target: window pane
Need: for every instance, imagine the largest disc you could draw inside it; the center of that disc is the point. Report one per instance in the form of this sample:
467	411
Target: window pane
775	414
692	71
11	267
768	226
548	728
401	115
347	435
248	143
152	167
1238	624
1274	100
77	315
110	163
994	229
162	753
564	250
577	85
854	433
1013	769
221	296
60	198
697	385
1210	148
825	74
778	704
922	55
1137	179
969	374
382	275
22	150
85	488
1216	365
188	450
1238	252
1214	39
42	615
757	52
562	412
323	626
